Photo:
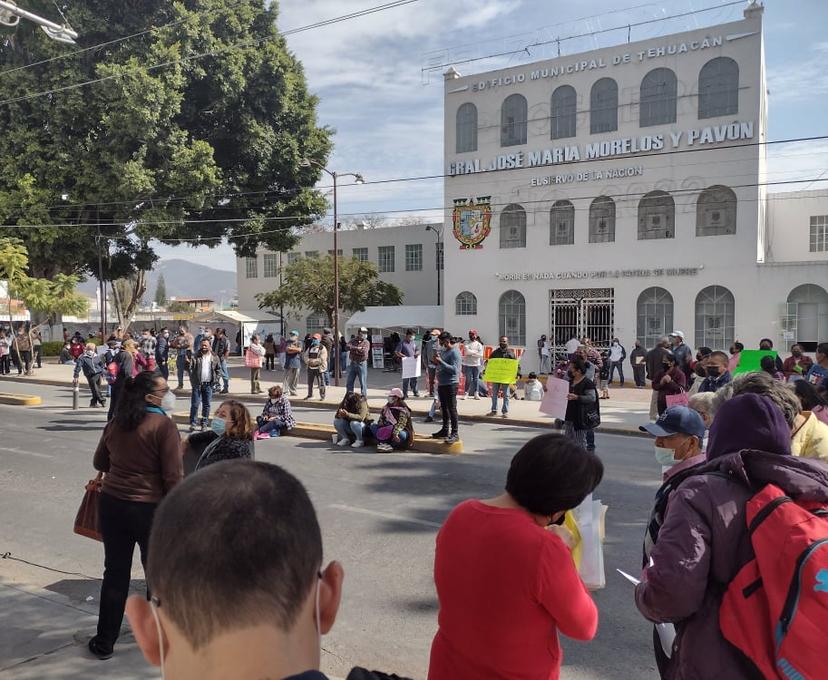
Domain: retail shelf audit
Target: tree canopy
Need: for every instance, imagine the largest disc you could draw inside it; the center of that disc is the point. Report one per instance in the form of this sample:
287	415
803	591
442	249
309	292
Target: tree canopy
195	132
308	284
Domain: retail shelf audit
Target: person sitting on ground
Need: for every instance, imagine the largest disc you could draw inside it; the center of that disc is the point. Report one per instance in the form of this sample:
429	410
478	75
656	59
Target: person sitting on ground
66	357
230	435
258	610
717	372
276	417
669	380
350	420
533	388
811	399
809	436
768	365
703	542
506	581
395	427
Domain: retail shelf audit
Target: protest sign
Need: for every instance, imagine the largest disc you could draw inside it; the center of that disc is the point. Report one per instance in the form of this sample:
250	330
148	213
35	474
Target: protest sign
501	371
554	399
411	367
750	360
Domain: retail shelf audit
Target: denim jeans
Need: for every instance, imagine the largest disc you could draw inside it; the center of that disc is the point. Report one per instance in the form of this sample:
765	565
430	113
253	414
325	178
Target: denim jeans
590	439
496	387
225	373
619	366
350	429
409	383
181	367
202	396
403	437
359	369
269	426
472	375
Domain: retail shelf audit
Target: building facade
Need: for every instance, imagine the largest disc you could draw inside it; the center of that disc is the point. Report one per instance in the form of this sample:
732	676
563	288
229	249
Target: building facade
623	192
405	255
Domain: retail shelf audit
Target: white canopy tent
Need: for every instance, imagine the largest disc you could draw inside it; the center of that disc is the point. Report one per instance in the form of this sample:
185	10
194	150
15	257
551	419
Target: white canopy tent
400	317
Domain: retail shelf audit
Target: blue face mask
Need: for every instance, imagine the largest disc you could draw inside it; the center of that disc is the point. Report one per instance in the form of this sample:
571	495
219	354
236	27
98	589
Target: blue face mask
218	425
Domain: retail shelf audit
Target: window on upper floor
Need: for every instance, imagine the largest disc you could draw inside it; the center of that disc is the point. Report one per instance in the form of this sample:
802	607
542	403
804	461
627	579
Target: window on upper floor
414	257
513	226
564	112
603	106
294	257
385	259
819	234
466	128
719	88
656	216
657	98
716	212
338	252
311	253
251	267
270	263
513	117
562	224
360	254
602	220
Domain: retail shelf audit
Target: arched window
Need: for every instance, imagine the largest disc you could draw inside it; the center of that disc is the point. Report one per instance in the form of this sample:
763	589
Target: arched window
602	220
513	115
563	112
511	312
655	315
465	304
715	318
656	216
466	128
562	224
807	314
657	99
719	88
513	226
603	106
716	212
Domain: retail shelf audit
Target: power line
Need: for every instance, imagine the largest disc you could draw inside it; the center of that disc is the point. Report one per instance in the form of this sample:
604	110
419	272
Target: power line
628	196
211	53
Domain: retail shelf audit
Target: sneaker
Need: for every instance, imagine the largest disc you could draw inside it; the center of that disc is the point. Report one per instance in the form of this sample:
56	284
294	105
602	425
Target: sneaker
463	398
452	439
428	419
416	395
385	448
477	397
504	415
227	391
439	434
492	413
261	435
192	427
358	444
306	398
99	649
343	441
321	397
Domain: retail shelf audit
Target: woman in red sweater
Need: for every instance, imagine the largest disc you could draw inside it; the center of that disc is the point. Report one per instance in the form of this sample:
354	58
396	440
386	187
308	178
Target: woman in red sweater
505	577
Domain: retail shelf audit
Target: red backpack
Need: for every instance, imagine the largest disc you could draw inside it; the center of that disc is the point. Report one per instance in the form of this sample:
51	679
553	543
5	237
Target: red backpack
776	609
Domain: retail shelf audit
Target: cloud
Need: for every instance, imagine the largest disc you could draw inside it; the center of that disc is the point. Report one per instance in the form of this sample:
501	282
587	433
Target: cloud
804	79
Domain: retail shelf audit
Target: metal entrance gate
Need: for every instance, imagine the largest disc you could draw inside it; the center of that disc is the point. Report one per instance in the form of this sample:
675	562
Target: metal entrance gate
581	312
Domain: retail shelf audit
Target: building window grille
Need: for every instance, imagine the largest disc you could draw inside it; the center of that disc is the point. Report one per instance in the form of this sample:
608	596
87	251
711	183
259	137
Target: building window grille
719	88
465	304
562	224
564	112
657	99
513	117
385	259
656	216
466	128
603	106
513	226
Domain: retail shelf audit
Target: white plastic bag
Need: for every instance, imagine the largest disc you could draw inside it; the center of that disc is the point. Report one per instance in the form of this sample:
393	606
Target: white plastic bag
590	518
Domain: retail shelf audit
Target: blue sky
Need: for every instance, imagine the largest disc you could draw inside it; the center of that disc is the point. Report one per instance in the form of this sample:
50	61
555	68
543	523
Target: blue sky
376	89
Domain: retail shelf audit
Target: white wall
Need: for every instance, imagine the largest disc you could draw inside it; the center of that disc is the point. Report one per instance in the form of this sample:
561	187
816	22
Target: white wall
789	219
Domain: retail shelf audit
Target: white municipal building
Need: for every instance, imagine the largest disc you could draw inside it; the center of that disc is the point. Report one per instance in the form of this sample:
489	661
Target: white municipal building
626	196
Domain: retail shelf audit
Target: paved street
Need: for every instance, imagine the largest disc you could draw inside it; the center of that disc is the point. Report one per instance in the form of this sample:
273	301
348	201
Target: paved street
379	515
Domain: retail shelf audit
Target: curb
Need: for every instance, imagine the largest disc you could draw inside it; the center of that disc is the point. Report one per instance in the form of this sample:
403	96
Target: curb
19	399
328	406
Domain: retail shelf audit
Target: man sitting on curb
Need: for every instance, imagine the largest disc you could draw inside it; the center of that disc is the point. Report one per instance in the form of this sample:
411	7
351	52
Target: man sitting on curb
242	600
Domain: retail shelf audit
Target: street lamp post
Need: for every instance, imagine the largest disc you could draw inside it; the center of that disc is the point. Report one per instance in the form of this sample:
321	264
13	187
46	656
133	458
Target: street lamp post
437	257
11	14
306	163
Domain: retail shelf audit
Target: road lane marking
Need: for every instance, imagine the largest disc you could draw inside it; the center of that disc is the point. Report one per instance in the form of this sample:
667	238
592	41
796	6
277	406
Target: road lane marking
385	515
26	453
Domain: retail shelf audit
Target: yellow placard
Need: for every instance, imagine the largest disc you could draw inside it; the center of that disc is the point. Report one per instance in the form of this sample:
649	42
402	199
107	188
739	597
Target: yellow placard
501	371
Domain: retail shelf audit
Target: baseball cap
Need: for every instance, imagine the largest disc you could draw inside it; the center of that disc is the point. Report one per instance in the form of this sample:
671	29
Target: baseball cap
363	330
317	336
395	392
677	334
294	332
676	420
436	331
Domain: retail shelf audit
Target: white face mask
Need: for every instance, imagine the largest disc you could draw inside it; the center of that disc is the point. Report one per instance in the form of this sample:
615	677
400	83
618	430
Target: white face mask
168	402
665	456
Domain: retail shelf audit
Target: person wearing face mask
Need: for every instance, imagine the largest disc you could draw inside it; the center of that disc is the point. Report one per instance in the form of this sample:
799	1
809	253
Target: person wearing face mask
818	373
139	457
472	359
637	359
766	345
394	429
316	360
256	611
277	416
718	374
204	376
617	354
669	380
183	345
448	363
359	349
230	435
293	362
505	577
407	349
253	360
162	353
502	351
90	364
798	364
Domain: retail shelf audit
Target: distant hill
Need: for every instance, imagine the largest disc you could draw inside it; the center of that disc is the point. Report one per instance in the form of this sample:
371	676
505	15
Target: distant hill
184	279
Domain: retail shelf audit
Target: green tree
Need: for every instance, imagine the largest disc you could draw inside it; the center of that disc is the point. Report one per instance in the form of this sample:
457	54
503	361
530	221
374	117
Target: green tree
120	165
308	284
161	291
49	297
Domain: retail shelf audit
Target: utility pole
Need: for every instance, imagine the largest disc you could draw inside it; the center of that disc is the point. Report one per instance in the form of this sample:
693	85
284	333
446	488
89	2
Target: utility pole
11	14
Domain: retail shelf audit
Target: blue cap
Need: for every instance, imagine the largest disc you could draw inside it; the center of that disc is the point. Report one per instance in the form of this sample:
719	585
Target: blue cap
676	420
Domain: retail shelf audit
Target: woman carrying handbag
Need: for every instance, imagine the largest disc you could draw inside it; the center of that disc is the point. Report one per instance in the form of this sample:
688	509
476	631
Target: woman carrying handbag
139	454
582	411
253	361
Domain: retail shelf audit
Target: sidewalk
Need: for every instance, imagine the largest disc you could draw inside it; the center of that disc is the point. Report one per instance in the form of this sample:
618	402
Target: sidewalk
626	409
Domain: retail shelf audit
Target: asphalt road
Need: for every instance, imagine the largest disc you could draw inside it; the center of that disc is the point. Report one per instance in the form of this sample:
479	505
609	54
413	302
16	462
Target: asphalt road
379	515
